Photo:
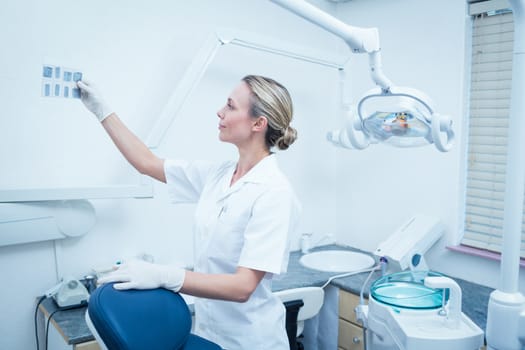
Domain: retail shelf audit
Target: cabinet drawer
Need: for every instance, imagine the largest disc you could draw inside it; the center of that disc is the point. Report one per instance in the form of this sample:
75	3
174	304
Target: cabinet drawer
92	345
347	304
350	336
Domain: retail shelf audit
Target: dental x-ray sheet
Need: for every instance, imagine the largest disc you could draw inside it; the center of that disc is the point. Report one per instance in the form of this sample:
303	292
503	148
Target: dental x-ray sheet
59	81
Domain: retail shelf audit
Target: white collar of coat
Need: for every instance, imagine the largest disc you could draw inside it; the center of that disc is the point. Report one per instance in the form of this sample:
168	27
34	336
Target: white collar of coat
261	172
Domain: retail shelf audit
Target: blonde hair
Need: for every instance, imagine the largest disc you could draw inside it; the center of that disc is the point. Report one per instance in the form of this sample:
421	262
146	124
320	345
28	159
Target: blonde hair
272	100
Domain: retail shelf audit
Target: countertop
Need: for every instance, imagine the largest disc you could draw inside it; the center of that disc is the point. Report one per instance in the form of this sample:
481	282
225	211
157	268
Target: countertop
69	323
475	298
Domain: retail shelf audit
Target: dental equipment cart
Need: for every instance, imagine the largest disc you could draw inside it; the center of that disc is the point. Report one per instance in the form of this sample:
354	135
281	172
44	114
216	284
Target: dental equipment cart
416	308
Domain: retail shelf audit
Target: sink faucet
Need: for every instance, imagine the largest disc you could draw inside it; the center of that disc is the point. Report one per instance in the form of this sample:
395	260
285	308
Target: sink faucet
306	241
454	302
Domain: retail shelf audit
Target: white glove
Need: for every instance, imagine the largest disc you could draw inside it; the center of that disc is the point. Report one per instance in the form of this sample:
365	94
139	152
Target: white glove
92	99
140	274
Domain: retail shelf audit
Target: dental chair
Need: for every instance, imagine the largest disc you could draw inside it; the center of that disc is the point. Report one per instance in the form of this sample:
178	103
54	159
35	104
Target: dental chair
142	320
301	304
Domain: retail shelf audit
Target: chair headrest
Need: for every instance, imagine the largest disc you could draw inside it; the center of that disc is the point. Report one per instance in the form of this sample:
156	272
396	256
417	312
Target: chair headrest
136	319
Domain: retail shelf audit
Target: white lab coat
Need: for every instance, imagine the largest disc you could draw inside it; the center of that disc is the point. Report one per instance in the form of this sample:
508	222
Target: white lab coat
247	224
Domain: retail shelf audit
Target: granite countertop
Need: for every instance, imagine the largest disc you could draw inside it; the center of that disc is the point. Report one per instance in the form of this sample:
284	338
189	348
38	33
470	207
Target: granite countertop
71	324
474	297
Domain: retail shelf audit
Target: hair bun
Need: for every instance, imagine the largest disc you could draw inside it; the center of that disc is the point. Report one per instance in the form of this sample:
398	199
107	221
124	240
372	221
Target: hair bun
289	136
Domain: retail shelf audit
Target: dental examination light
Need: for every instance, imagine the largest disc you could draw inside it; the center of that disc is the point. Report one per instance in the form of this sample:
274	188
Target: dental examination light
397	116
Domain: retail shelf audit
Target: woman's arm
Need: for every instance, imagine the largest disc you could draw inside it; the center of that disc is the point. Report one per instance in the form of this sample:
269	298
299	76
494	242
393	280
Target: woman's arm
233	287
133	149
138	274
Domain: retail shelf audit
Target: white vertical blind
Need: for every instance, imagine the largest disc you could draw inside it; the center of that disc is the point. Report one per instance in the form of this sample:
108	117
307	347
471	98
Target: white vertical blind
491	75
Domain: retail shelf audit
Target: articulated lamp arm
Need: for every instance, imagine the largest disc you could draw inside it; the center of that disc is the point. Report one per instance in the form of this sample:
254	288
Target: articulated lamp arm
360	40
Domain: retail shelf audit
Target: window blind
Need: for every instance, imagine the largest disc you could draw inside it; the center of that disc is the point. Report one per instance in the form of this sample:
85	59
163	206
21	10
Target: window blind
490	88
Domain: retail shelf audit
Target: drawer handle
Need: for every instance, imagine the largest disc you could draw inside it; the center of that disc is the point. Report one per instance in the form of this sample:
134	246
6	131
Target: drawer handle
356	340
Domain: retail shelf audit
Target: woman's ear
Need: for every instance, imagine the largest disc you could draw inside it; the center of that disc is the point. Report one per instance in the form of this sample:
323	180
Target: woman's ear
260	124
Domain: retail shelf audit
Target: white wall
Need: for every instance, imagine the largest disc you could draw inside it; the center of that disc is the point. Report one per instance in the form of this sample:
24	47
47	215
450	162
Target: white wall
136	52
424	46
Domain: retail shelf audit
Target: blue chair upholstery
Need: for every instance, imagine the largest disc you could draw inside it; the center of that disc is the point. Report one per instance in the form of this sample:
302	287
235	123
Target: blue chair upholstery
143	319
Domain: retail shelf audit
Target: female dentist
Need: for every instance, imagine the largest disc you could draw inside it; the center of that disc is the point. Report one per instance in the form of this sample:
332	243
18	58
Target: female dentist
246	210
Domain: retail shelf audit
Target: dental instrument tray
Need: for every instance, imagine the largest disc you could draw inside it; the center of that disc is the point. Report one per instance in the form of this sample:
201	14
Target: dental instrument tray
406	290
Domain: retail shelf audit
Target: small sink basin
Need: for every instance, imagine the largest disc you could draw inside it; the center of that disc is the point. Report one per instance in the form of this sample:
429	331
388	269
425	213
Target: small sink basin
337	261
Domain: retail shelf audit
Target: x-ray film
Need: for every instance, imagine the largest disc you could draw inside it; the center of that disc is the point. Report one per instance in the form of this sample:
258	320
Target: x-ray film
60	81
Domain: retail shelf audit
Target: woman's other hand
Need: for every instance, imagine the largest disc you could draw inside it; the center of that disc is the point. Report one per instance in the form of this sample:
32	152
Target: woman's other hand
139	274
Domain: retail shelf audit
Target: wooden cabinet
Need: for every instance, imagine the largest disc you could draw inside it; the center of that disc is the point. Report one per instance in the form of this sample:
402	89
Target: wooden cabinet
350	330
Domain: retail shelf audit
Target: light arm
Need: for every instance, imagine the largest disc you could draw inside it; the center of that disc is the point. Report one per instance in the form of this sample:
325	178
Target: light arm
360	40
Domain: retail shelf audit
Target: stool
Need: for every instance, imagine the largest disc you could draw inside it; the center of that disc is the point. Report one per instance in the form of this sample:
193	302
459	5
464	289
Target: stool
301	304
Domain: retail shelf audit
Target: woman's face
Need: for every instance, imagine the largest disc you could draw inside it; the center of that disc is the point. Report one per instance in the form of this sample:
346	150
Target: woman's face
235	123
